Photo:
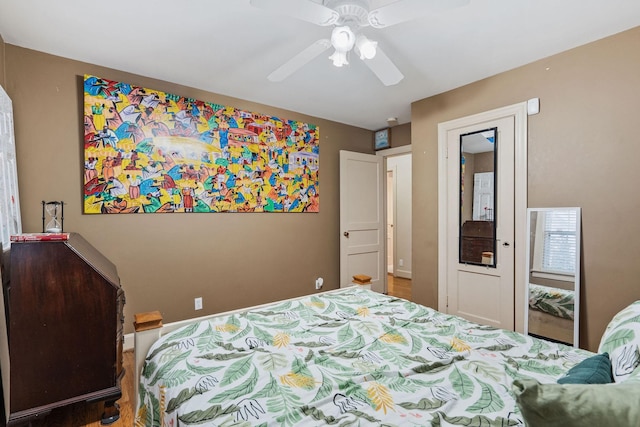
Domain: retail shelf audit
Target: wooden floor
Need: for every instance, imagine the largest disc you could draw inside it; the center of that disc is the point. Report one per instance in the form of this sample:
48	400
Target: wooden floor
88	415
83	414
399	287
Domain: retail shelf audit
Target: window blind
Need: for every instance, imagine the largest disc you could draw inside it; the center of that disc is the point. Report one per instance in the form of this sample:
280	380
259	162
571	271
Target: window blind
559	252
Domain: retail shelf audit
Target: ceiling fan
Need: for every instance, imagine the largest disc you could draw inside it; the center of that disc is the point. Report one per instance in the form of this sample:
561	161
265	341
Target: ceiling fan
348	17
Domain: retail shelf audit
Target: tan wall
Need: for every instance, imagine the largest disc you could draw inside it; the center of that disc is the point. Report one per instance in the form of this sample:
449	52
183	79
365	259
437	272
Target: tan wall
165	260
467	196
401	135
583	150
484	162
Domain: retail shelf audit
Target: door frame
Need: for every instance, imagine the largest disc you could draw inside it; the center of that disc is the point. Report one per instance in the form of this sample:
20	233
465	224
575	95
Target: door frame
519	113
391	152
394	252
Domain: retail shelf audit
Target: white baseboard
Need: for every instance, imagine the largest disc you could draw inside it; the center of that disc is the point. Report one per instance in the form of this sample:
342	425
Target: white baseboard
128	343
405	274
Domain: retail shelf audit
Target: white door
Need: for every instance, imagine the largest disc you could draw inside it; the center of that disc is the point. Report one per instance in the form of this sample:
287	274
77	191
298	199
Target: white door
483	293
362	219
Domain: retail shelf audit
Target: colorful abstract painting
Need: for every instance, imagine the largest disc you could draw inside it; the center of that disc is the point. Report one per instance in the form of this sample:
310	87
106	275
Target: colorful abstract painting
149	151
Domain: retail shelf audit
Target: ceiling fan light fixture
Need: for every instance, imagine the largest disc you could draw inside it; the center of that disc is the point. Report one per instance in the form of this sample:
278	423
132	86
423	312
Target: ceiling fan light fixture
366	48
339	58
343	39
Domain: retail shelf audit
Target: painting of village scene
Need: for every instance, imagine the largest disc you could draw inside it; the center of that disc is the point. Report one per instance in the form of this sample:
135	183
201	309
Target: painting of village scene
148	151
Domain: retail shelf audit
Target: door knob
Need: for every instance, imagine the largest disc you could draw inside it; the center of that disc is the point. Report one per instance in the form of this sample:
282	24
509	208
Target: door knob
346	234
506	244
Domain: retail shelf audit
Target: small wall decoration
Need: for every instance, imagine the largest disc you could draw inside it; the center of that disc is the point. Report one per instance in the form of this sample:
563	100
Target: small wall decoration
148	151
382	139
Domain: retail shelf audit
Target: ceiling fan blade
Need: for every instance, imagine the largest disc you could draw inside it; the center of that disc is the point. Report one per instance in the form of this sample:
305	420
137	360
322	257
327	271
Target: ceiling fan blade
406	10
382	67
298	61
301	9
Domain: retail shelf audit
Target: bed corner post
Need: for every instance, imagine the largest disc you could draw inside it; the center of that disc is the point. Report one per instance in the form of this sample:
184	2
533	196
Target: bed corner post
147	328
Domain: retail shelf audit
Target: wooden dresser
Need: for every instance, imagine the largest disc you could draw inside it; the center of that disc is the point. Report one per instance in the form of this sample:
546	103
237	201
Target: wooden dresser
476	237
64	320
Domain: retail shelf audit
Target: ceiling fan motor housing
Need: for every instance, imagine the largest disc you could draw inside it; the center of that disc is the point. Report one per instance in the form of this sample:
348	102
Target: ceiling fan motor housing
353	13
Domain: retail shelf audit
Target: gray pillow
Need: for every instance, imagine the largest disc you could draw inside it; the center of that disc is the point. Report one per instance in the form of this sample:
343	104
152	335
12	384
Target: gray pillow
568	405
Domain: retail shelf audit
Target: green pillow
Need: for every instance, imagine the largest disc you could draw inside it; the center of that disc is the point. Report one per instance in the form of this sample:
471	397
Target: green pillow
621	340
567	405
593	370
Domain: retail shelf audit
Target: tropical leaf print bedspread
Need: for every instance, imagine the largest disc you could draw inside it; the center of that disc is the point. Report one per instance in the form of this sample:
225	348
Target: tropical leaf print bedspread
554	301
352	358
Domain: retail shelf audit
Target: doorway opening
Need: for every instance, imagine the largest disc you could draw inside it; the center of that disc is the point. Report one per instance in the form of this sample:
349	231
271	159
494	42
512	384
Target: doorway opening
363	215
398	187
390	212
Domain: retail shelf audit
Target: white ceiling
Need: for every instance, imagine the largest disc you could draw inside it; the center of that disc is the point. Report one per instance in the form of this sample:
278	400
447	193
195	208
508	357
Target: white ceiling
229	47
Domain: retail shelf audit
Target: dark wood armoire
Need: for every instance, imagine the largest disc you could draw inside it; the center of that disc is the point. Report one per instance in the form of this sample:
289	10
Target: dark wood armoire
64	320
477	237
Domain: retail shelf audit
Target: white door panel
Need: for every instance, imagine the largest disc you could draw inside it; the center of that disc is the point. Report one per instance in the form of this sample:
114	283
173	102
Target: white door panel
362	220
475	296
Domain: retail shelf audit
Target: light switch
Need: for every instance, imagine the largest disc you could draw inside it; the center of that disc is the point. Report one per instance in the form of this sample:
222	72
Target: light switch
533	106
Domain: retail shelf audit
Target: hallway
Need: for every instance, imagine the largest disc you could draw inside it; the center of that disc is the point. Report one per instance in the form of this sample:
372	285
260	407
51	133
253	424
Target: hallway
399	287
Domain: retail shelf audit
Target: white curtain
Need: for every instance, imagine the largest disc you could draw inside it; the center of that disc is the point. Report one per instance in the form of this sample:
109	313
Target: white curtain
10	222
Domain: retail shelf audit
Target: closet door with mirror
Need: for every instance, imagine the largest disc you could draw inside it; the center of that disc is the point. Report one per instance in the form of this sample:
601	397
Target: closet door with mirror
553	274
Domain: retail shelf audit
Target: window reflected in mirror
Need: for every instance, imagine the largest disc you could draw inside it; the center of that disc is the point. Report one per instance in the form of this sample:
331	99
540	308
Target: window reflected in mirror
478	154
553	274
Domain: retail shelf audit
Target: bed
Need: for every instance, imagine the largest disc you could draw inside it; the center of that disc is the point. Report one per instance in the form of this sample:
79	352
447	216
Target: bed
348	357
551	312
554	301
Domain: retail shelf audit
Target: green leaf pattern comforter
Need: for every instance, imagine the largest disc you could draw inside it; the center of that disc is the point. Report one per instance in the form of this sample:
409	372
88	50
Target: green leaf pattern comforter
351	358
554	301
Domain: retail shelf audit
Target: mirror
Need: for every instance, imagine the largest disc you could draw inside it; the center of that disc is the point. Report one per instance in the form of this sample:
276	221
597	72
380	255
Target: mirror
477	198
553	274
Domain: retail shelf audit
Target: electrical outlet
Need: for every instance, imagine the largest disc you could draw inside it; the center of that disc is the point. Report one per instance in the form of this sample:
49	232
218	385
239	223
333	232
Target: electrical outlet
401	262
319	281
197	302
